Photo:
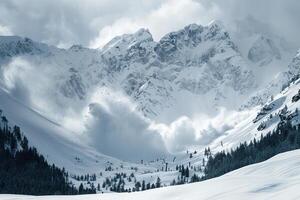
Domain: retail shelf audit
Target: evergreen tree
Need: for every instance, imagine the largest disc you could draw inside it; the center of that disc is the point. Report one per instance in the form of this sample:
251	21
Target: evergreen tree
284	138
187	172
143	185
157	185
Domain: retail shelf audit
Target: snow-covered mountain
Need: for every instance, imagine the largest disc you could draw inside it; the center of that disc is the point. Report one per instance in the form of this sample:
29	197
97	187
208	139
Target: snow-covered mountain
200	61
195	70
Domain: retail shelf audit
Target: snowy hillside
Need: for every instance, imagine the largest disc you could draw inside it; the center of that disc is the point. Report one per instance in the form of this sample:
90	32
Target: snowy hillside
276	178
263	119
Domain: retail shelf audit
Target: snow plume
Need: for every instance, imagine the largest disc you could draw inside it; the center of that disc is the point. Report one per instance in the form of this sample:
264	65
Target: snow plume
35	86
105	118
108	120
12	78
200	130
4	30
116	129
29	83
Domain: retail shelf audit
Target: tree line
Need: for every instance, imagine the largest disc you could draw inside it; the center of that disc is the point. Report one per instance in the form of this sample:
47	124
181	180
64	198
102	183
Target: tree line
24	171
285	138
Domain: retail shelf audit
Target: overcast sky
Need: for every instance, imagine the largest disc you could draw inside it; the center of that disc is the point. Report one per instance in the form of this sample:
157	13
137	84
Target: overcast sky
94	22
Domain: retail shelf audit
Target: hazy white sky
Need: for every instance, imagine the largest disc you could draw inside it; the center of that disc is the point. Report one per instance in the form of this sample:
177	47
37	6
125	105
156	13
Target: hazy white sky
94	22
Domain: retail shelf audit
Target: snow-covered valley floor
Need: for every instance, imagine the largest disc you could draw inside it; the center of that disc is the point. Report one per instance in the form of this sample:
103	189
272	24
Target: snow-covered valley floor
276	178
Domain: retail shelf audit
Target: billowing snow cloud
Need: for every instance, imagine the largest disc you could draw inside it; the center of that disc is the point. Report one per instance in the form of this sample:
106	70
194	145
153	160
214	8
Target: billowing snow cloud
35	86
12	77
199	131
116	129
106	119
4	30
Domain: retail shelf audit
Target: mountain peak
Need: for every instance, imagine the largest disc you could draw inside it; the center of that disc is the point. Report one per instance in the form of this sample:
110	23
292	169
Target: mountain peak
193	27
15	45
7	39
298	53
216	23
143	34
125	41
77	48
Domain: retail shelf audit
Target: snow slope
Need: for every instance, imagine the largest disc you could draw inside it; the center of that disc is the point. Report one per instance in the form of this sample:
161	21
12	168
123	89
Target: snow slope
254	122
276	178
57	144
262	119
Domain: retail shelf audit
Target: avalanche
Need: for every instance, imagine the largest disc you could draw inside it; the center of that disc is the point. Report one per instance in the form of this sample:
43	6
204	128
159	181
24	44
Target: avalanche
195	70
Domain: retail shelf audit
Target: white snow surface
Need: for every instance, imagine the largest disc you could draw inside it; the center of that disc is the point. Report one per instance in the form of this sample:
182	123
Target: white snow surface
277	178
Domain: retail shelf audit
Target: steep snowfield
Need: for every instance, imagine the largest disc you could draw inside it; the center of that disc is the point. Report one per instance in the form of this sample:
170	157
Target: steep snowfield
67	149
263	119
254	122
276	178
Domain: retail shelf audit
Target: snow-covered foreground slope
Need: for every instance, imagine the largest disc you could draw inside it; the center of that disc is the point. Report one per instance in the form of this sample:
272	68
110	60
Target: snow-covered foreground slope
276	178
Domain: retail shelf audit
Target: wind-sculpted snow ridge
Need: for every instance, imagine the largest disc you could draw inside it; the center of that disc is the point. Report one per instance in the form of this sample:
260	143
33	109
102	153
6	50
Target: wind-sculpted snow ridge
276	178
